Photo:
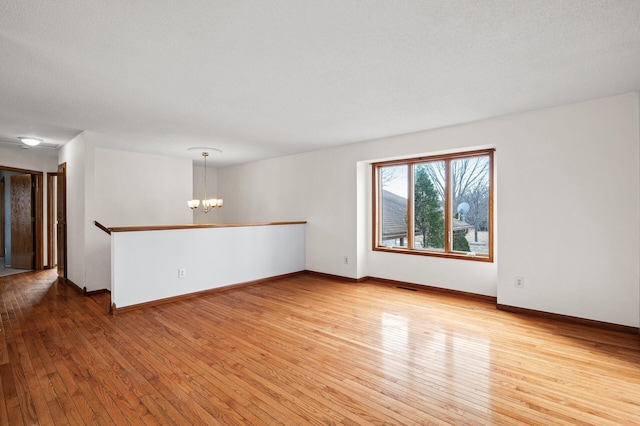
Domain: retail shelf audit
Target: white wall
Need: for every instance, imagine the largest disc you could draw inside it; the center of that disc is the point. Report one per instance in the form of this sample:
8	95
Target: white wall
198	193
331	190
133	189
117	188
73	153
567	208
319	188
146	263
25	159
569	216
141	189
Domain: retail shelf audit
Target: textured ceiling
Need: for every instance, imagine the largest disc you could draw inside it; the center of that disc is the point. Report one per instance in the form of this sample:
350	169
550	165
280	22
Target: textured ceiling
262	79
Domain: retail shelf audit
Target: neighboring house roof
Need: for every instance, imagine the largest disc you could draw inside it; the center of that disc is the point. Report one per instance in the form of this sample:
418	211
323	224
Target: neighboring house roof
394	211
459	224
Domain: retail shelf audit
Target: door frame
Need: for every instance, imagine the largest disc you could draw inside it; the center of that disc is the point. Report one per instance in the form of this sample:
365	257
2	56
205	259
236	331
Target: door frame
61	224
37	199
51	220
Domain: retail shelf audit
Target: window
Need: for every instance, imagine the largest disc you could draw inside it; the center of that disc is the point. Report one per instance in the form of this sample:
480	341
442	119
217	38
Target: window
435	206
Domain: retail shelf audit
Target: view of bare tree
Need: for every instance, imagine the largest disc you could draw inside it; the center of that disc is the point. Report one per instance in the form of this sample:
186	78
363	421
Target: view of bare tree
478	200
387	174
470	184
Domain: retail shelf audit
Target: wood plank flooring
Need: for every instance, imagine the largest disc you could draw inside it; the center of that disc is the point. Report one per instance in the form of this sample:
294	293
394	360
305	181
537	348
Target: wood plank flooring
304	350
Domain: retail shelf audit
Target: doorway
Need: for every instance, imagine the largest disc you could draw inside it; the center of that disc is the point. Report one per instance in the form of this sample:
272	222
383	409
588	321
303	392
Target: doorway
22	221
57	221
52	183
21	196
61	219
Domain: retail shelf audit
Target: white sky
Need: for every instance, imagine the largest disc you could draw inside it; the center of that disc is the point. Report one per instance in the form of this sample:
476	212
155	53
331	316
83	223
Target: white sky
398	183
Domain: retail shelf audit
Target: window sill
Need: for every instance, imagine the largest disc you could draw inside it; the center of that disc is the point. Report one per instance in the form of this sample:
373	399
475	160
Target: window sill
459	256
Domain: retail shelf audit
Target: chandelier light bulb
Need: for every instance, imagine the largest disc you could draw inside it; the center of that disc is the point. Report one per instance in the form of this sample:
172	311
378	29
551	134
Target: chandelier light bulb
208	204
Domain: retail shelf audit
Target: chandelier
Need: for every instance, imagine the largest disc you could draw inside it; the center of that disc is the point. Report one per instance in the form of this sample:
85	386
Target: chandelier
208	204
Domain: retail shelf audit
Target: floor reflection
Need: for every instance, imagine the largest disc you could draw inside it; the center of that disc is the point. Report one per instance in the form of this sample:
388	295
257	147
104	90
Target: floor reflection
459	364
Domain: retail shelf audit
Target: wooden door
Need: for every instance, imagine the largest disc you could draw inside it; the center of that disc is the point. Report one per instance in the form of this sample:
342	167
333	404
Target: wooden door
62	220
22	222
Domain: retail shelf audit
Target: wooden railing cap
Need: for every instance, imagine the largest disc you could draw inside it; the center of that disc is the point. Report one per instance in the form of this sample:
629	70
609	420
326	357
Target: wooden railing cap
191	226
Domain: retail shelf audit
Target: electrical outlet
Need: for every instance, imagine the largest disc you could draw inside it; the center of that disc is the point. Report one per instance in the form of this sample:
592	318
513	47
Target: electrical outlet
346	260
519	282
182	273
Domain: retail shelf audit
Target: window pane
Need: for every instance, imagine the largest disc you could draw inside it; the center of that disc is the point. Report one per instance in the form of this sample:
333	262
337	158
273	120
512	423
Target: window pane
428	207
470	180
393	209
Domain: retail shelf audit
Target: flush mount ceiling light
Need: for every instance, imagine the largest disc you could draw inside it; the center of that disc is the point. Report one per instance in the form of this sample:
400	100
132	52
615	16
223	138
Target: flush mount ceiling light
208	204
30	141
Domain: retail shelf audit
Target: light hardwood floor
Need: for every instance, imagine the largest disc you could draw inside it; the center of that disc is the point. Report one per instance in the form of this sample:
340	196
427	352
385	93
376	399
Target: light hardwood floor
304	350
